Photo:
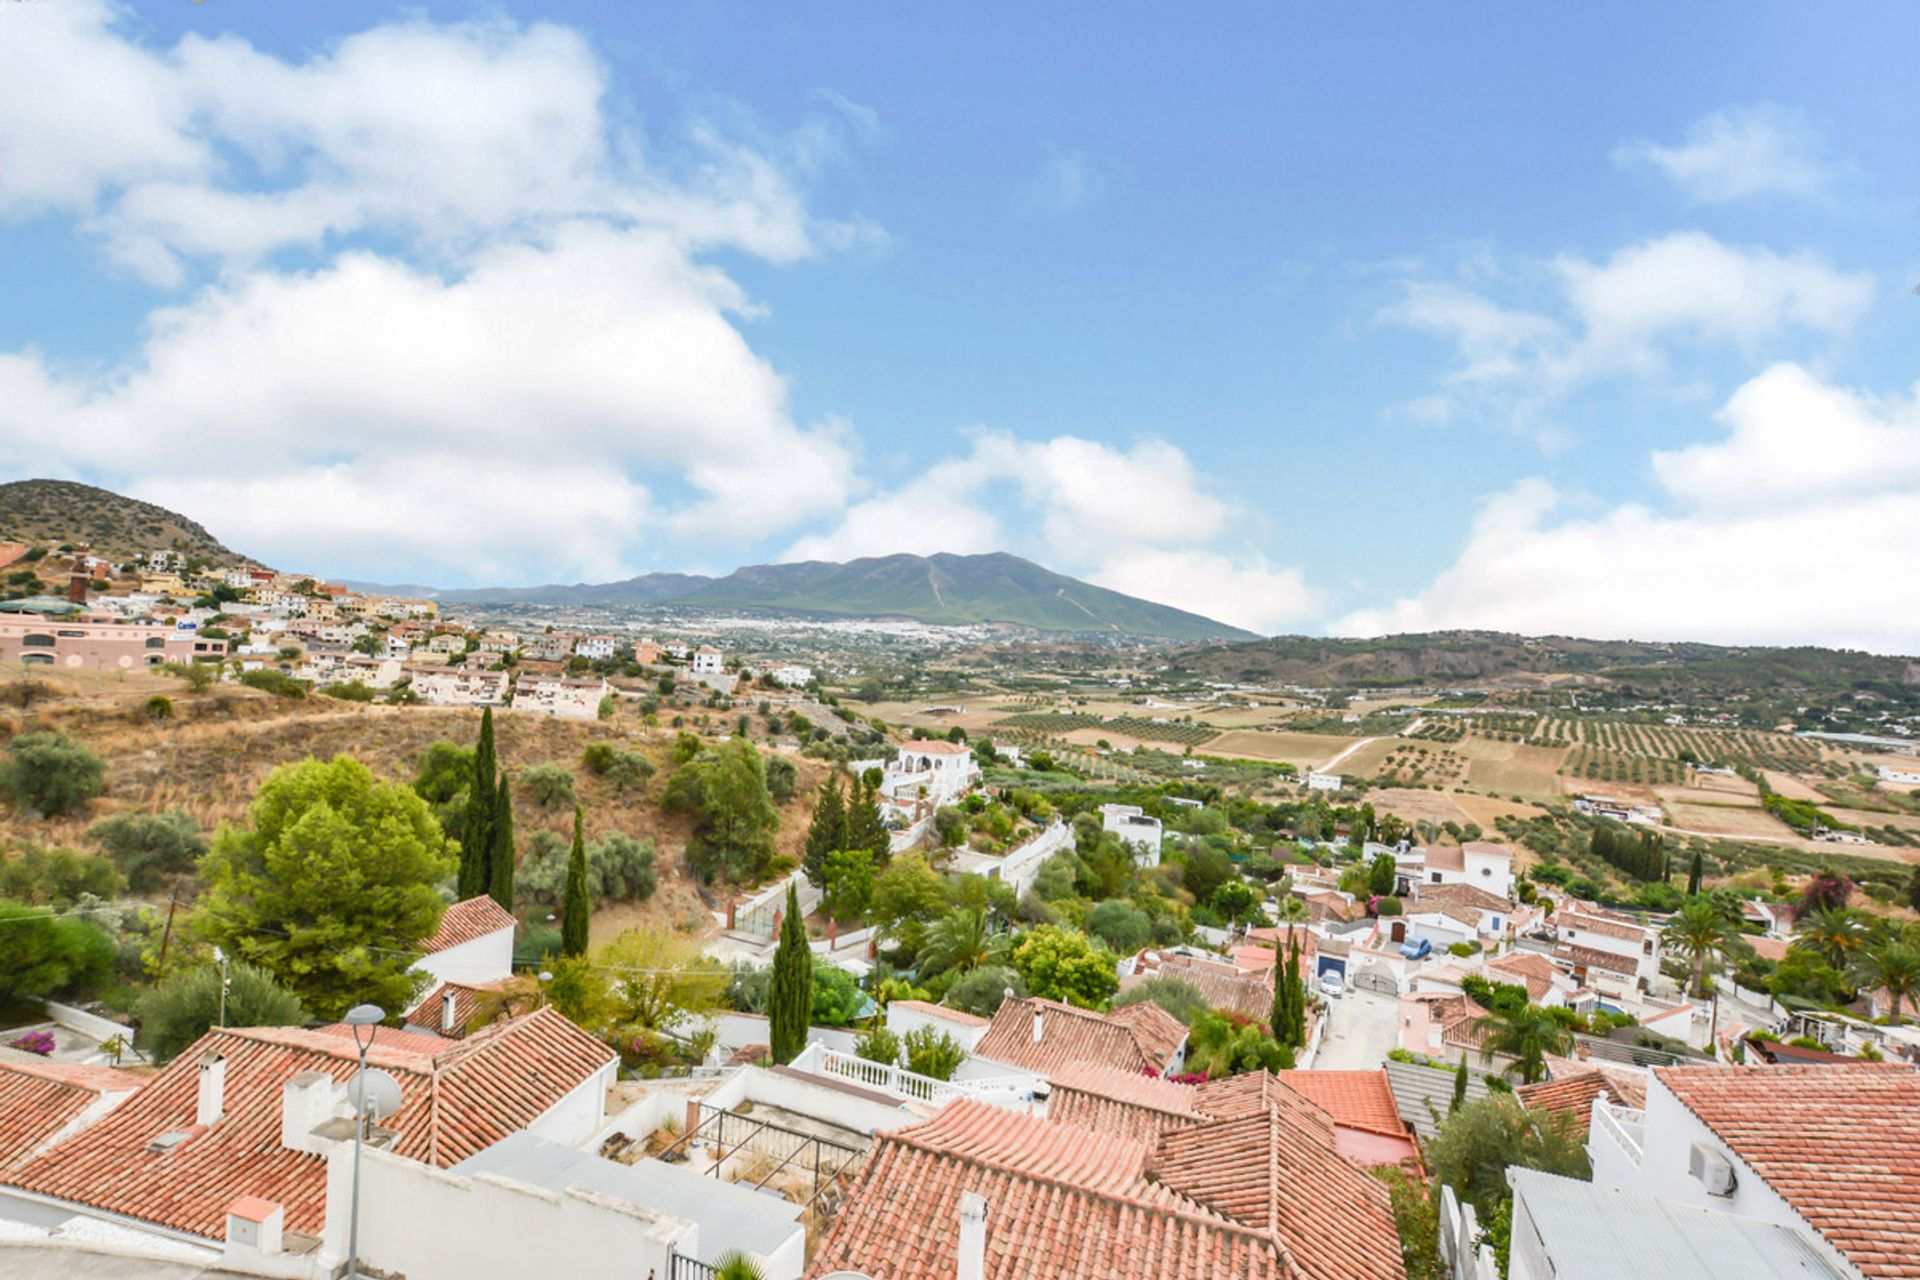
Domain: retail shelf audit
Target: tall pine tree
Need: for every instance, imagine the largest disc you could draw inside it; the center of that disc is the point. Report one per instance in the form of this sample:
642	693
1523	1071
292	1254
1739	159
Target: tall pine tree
577	910
790	999
826	834
1296	1036
476	832
1695	872
500	859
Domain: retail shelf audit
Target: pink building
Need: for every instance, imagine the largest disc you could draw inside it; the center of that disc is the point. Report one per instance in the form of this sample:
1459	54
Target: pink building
87	642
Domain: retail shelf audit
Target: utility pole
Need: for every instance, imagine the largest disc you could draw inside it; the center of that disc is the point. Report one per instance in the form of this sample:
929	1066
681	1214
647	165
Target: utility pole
220	958
173	904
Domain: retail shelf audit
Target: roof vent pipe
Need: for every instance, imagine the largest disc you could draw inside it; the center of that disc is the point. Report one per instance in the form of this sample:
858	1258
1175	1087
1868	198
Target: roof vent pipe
973	1237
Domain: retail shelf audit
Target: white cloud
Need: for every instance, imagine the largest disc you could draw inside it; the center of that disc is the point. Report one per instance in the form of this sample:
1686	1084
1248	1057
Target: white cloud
543	379
1139	520
1625	315
444	135
1796	527
1740	153
1065	181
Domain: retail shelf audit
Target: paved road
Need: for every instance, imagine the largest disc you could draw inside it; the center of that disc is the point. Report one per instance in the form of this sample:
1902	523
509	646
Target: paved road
1361	1028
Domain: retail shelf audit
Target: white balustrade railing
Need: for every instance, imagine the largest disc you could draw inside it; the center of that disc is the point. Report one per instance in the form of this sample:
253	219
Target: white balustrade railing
1622	1124
902	1083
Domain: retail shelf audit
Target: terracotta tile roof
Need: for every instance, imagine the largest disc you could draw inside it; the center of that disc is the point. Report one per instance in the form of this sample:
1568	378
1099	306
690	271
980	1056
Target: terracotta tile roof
1130	1104
430	1013
1840	1144
1132	1039
1064	1201
935	747
39	1098
1535	972
465	921
1219	983
1266	1169
1594	958
1445	857
1489	849
1355	1099
457	1101
1574	1094
1463	896
959	1017
1599	924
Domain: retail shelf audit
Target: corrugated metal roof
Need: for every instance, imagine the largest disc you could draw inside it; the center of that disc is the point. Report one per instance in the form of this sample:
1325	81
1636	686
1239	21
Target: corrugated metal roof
1598	1233
1423	1094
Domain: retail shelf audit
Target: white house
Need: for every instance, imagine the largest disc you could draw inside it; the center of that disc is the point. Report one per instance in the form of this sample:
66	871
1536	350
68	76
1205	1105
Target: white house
1325	782
559	696
937	771
793	676
1596	944
1479	863
708	661
1906	777
460	686
595	648
1135	828
1831	1147
473	945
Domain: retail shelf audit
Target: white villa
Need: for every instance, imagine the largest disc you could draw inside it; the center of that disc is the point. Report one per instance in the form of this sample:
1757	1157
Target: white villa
1136	829
559	696
708	661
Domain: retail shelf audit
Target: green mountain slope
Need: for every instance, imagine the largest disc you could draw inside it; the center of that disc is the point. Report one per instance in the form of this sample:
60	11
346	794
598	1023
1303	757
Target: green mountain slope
943	589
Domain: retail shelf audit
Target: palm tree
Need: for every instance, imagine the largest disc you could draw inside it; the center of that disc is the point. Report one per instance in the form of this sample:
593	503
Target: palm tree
961	941
1292	911
737	1266
1527	1034
1892	964
1701	933
1832	933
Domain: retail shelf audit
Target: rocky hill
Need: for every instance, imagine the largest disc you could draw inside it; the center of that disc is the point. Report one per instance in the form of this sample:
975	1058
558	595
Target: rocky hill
56	513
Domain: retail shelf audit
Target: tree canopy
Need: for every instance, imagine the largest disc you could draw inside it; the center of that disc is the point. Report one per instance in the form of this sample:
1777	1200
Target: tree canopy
331	888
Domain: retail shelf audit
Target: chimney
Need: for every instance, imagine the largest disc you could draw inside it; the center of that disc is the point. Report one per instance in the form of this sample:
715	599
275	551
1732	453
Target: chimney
306	1103
255	1224
213	1089
77	588
973	1237
447	1002
1039	1024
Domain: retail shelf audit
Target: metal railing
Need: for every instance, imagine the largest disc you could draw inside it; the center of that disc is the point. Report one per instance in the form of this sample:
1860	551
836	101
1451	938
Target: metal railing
730	1134
682	1267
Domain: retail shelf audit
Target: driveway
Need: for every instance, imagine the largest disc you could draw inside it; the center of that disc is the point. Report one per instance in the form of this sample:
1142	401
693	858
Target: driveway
1361	1027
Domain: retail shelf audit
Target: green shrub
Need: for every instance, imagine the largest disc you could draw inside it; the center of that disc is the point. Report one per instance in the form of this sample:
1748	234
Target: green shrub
980	991
159	707
46	956
150	847
178	1011
877	1044
56	877
51	773
932	1053
278	683
550	785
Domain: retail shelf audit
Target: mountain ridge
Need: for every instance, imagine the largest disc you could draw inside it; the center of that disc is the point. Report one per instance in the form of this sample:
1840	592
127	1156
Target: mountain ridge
942	589
107	523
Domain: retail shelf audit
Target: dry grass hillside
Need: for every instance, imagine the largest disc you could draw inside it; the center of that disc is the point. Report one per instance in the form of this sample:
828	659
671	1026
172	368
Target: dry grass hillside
219	746
55	512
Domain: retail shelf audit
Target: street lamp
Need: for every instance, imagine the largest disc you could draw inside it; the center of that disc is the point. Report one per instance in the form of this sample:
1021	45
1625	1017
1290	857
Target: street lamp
369	1016
545	977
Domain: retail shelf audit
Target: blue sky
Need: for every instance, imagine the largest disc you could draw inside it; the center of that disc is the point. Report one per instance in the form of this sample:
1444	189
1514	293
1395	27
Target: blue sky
1535	318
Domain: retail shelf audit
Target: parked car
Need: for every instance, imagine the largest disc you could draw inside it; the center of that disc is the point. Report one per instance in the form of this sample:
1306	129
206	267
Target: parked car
1332	985
1418	949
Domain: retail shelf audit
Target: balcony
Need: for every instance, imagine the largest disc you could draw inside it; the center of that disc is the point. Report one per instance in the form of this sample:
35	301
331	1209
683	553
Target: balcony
1623	1127
1005	1091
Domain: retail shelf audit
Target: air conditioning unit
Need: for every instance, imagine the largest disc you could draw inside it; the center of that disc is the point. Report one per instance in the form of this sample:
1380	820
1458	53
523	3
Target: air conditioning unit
1712	1169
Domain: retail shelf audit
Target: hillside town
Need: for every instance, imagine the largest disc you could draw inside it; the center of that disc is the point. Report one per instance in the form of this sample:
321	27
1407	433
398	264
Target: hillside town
709	641
1002	1005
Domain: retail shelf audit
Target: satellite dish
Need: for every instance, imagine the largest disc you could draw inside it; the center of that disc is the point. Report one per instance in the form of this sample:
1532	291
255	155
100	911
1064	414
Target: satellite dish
381	1089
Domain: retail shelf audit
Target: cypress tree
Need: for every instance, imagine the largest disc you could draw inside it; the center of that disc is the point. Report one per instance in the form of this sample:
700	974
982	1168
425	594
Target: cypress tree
1282	1016
1694	873
500	858
1459	1087
574	915
790	1001
1296	996
865	829
476	833
826	834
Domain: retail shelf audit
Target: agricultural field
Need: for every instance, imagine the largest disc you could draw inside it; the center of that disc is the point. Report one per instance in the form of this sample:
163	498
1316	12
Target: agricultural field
1308	750
1524	770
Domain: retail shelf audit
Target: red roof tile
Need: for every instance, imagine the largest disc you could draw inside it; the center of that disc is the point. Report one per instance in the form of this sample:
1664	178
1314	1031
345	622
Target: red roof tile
39	1098
1603	925
1065	1202
458	1101
430	1013
959	1017
1535	972
1133	1038
466	921
1840	1144
1594	958
1355	1099
1574	1094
